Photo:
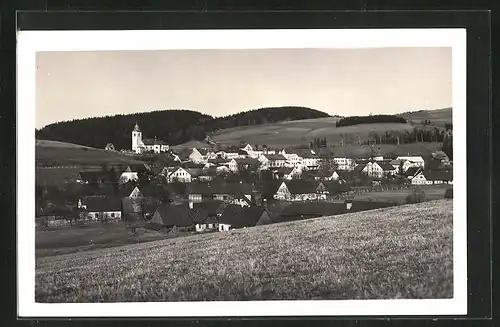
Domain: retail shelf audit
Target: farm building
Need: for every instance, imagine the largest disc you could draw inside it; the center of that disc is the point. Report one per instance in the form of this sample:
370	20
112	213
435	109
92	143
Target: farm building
102	208
288	173
110	147
171	216
432	177
213	210
235	217
179	175
331	188
130	191
297	190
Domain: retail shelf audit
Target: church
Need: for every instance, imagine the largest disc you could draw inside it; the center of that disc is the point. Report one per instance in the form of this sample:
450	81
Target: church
147	145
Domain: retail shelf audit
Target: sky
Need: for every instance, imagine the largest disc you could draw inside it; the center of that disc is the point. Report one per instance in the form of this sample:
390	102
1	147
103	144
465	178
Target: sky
347	82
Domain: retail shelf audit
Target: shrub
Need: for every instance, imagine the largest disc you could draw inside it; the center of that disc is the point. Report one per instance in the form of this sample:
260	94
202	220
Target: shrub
416	197
449	193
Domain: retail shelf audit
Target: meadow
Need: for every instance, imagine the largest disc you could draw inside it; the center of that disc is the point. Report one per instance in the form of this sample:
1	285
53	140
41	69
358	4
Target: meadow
399	196
399	252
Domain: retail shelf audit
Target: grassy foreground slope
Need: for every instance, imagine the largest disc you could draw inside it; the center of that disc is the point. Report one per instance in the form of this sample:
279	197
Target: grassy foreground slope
399	252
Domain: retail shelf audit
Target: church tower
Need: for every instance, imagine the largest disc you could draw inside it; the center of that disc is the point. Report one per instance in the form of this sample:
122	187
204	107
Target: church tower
136	139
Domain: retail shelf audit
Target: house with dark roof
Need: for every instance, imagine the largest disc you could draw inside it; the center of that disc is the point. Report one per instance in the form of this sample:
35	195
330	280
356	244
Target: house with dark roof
307	210
102	208
169	216
328	189
179	175
230	192
235	217
297	190
288	173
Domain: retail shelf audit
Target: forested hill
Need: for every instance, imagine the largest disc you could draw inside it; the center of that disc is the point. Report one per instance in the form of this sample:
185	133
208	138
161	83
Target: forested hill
171	126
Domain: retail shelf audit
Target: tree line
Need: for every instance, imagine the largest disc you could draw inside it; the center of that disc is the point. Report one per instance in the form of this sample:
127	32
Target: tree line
357	120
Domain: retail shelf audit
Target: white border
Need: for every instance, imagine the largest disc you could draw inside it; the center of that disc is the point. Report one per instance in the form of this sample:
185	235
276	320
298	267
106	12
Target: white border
30	42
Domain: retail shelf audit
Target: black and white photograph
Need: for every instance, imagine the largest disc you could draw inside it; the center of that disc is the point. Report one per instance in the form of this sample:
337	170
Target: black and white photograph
279	172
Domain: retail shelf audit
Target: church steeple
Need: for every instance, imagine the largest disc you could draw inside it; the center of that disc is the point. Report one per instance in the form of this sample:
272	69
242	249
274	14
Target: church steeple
136	128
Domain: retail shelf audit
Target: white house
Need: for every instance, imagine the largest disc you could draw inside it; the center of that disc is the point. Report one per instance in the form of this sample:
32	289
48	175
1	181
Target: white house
293	160
412	161
297	190
179	175
344	163
275	160
264	162
127	176
197	157
310	161
420	179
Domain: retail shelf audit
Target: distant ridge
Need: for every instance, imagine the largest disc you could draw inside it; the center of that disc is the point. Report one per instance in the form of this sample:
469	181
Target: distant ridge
172	126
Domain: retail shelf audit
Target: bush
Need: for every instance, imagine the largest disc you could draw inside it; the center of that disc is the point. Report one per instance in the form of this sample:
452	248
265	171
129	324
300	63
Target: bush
416	197
449	193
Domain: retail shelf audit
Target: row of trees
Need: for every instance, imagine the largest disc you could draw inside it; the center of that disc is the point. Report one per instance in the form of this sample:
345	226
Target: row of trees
417	135
357	120
318	143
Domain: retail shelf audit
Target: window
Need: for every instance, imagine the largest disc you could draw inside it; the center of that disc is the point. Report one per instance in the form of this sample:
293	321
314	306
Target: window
97	215
112	215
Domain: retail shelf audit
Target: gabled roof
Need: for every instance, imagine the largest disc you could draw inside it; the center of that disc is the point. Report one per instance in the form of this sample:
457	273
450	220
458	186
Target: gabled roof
192	165
285	170
126	189
210	171
175	215
197	215
326	173
334	187
247	161
138	168
103	203
275	157
239	217
177	169
212	208
386	166
217	161
153	142
412	171
301	186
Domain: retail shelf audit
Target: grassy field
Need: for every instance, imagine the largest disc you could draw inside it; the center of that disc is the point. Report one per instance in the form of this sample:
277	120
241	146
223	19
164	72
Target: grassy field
89	237
72	154
302	132
433	193
399	252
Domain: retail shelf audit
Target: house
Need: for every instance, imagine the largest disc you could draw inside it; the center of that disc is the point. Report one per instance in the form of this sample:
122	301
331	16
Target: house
130	191
132	211
440	177
248	163
229	192
387	168
232	165
331	188
179	175
371	168
264	162
128	176
297	190
275	160
169	216
308	210
208	174
198	155
397	165
102	208
412	161
110	147
234	217
420	179
293	160
412	172
327	176
288	173
344	163
210	211
310	160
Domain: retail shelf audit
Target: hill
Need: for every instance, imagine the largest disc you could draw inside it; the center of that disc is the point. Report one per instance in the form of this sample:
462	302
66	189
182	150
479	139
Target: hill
392	253
171	126
438	117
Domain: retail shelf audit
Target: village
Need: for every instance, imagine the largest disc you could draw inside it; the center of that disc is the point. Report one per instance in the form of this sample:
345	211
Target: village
199	190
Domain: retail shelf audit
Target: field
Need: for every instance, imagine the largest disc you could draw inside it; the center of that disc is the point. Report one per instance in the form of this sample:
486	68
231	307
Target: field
90	237
399	252
302	132
433	193
60	153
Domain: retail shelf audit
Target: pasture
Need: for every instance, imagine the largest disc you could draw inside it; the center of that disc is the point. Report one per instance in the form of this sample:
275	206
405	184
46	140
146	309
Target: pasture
89	237
60	153
438	117
398	196
393	253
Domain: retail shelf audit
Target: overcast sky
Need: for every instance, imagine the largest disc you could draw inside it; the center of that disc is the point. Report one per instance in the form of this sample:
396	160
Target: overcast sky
219	82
